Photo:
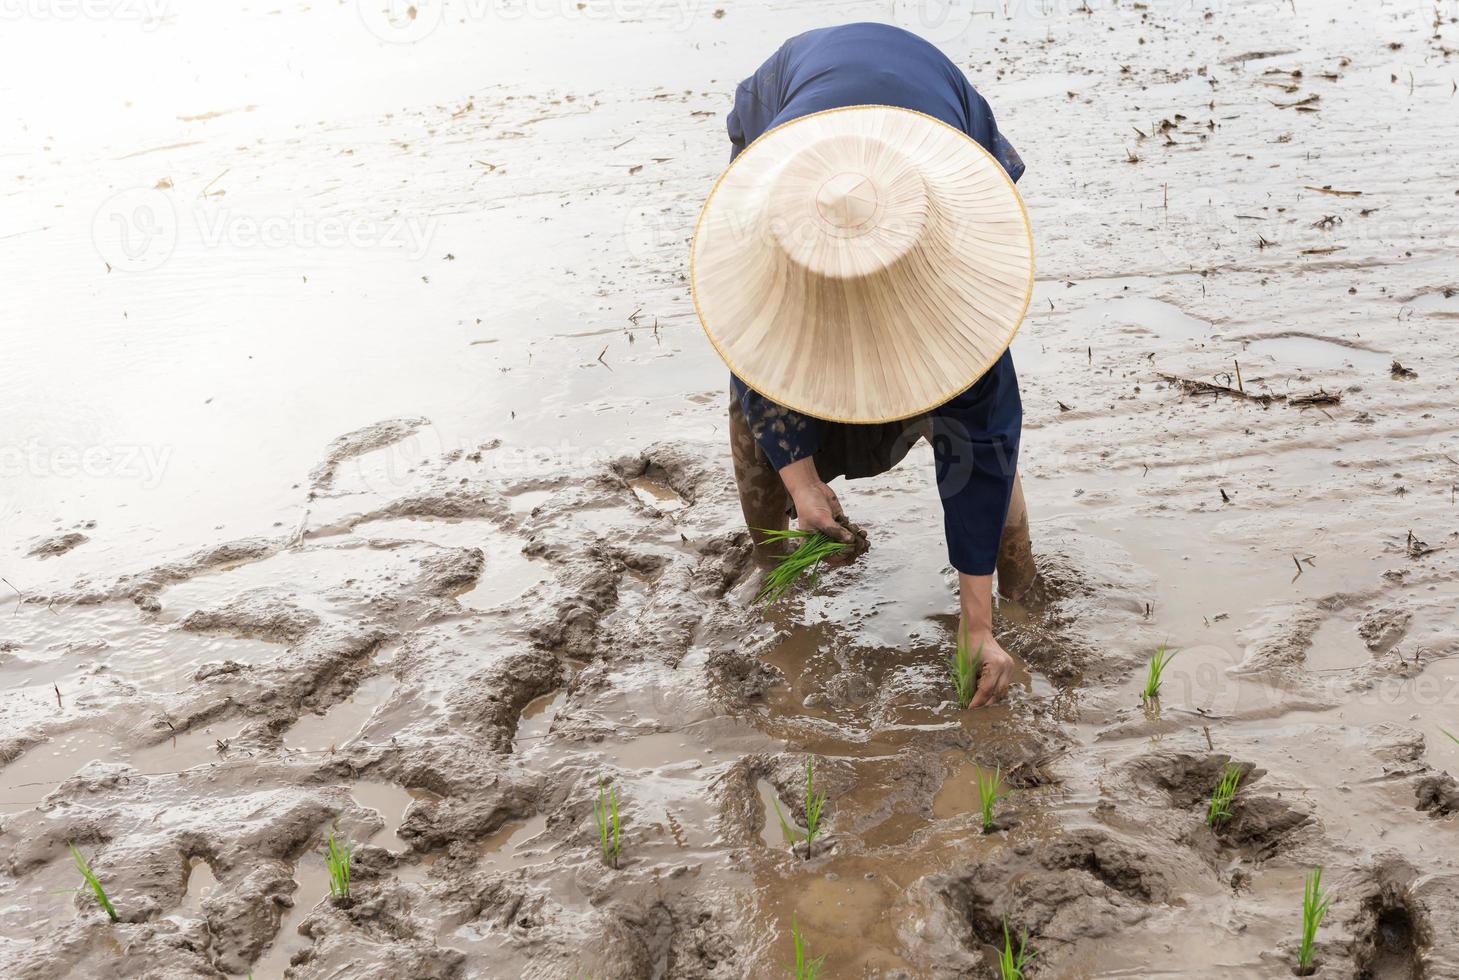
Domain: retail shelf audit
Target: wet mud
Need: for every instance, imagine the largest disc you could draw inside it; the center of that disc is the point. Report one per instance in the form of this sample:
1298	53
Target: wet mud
430	638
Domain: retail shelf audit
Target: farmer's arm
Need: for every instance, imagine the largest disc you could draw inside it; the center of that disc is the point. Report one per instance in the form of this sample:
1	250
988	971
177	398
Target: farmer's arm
975	440
789	440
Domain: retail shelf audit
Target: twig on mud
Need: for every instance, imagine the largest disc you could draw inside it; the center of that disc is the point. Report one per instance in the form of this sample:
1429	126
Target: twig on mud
204	191
1310	100
1194	387
1328	189
1209	744
1317	398
600	358
19	595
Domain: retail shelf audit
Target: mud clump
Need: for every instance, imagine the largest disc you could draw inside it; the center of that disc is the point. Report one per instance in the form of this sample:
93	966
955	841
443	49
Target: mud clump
1261	824
1391	927
1437	793
357	443
56	545
1185	778
1084	885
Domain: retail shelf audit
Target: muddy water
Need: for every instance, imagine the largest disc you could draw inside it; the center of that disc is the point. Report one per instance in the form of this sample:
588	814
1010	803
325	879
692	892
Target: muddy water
364	470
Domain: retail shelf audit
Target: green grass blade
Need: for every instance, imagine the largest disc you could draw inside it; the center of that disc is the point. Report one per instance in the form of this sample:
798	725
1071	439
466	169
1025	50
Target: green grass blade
1314	908
94	882
805	967
990	791
1225	793
610	829
804	561
785	828
962	669
813	803
1155	677
337	859
1011	964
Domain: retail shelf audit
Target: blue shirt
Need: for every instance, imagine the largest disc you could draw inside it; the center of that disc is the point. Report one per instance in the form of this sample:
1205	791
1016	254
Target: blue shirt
975	435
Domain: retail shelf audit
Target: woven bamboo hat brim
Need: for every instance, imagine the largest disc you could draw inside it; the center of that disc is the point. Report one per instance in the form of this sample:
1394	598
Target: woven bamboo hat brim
863	264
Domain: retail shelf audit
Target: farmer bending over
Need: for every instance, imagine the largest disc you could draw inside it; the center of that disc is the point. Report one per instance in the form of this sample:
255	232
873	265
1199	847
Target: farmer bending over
862	267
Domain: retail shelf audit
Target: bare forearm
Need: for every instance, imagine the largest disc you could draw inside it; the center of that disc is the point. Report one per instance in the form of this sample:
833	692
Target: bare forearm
800	475
975	594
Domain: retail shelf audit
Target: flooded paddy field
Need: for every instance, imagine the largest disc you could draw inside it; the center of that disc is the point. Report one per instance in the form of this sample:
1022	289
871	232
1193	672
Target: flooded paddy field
365	469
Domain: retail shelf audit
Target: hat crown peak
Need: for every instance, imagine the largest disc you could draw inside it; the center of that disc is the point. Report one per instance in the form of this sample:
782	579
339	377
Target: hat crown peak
847	200
847	206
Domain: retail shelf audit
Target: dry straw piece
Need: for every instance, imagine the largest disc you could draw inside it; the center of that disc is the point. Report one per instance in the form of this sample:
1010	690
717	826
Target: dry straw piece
863	264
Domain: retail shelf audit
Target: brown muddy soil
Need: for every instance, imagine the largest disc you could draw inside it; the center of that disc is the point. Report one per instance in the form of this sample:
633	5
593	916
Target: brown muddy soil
480	573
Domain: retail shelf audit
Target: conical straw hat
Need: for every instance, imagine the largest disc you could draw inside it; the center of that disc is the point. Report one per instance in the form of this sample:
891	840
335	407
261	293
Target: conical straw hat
863	264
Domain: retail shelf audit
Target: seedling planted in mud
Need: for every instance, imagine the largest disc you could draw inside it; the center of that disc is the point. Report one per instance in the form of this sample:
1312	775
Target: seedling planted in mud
963	668
94	882
804	968
1220	810
1452	737
610	832
1010	964
990	791
814	804
1314	907
337	859
790	567
1158	663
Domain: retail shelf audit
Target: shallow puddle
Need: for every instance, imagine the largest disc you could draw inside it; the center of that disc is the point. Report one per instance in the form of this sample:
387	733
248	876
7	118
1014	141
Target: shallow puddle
332	580
511	847
50	646
1314	354
535	721
200	884
656	495
27	780
312	876
391	802
343	721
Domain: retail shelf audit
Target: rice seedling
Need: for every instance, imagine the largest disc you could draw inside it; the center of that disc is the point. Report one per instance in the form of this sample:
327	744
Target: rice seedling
610	831
815	803
1153	679
337	859
990	791
94	882
805	967
963	668
1010	964
1220	809
1452	737
790	567
1314	908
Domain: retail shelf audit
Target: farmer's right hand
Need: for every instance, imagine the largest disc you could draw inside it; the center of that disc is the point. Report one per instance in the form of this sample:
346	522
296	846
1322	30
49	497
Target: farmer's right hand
818	509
